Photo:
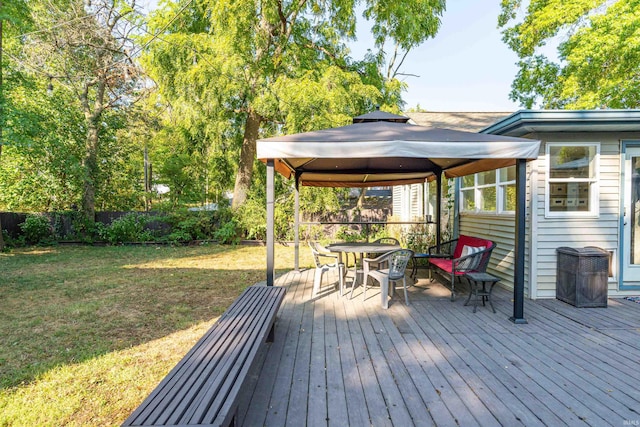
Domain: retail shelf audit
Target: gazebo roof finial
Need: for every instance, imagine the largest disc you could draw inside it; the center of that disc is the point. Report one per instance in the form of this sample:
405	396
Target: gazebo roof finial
380	116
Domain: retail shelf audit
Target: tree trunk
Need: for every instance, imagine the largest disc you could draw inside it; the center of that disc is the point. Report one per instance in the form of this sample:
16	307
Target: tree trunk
247	156
1	117
363	194
89	164
90	160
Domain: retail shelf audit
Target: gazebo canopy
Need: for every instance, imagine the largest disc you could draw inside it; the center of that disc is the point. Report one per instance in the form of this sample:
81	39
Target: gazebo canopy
379	150
389	153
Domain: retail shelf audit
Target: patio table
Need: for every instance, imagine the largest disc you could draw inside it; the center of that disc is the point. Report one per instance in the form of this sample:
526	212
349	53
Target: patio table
486	279
360	248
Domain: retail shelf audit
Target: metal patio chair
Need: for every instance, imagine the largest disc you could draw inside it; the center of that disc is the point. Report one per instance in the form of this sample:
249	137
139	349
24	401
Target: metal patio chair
397	264
324	261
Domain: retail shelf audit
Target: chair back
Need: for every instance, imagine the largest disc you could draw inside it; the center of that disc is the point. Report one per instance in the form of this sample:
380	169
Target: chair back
315	251
398	261
388	241
486	256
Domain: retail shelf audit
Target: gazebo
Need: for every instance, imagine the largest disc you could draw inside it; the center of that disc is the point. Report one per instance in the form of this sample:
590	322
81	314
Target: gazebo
382	149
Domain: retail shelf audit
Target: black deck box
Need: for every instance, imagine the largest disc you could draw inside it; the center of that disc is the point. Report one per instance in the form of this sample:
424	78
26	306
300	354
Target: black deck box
582	275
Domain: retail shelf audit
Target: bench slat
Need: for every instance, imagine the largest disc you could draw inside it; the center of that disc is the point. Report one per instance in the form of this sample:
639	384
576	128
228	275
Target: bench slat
189	374
204	386
210	376
233	364
236	382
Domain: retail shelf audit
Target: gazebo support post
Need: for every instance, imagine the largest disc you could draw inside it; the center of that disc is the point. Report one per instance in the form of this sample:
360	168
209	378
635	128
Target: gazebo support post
438	209
296	229
270	221
455	225
521	208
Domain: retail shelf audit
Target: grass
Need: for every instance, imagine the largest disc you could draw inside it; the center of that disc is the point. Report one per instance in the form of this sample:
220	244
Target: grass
87	332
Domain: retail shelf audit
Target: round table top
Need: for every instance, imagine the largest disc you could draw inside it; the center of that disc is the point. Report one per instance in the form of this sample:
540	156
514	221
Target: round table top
362	247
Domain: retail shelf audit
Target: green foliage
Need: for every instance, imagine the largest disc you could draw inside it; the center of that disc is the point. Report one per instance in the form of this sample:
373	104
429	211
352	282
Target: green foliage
36	229
44	164
187	226
348	234
235	71
9	242
81	50
407	23
85	230
228	233
128	228
41	170
598	53
318	200
251	218
198	227
420	237
315	232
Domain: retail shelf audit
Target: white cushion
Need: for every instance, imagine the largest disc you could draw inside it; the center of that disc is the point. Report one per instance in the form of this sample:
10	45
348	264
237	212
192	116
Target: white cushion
468	250
471	263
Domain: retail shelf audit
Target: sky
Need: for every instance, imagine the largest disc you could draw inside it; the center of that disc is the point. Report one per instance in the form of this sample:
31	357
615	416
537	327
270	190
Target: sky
466	67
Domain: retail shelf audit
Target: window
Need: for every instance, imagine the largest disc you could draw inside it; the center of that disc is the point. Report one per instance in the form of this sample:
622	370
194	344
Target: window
492	191
572	179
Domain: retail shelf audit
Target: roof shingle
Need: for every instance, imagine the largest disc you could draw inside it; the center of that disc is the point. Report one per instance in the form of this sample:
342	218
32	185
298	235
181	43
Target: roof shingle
464	121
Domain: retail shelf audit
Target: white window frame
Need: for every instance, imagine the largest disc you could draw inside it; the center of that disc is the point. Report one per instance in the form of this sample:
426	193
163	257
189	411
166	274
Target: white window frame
594	187
500	187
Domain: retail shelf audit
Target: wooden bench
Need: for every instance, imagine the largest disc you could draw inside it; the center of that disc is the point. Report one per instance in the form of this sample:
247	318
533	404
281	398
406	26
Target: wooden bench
459	256
206	386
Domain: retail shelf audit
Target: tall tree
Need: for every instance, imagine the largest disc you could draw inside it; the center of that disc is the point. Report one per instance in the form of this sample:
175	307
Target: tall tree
265	66
88	48
15	14
597	62
2	244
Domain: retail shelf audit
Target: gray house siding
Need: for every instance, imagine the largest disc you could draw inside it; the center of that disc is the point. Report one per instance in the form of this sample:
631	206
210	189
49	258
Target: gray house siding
545	235
601	231
500	229
611	130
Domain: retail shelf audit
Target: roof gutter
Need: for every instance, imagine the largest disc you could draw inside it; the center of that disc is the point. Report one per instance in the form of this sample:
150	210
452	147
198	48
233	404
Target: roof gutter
525	122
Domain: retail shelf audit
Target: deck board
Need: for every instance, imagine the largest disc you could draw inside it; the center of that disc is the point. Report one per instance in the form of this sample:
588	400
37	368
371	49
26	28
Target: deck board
336	390
338	361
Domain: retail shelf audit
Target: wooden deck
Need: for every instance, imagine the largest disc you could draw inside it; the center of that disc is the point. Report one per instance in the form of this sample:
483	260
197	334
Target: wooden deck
342	362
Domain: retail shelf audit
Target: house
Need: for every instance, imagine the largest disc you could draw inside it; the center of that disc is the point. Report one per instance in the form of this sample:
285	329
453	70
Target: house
413	202
583	190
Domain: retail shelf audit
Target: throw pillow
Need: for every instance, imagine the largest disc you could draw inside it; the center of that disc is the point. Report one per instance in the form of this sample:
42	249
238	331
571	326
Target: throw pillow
472	262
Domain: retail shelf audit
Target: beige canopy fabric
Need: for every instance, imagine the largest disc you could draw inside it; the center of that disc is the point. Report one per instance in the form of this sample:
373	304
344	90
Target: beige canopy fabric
368	154
388	153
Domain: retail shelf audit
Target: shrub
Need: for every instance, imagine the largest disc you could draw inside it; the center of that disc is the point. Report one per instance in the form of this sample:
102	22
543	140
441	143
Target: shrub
196	225
228	233
37	229
185	226
128	228
9	242
251	219
177	236
347	234
420	237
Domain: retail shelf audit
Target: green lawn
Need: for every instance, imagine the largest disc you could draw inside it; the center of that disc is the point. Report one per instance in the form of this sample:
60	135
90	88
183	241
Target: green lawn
87	332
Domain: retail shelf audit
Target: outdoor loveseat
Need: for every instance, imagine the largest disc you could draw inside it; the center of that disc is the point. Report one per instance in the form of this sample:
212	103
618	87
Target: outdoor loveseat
454	258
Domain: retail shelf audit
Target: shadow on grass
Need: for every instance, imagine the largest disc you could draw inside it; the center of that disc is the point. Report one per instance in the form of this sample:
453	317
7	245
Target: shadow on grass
66	305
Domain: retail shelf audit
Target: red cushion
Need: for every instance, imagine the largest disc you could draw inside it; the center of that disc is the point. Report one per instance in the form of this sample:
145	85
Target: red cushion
469	241
444	264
